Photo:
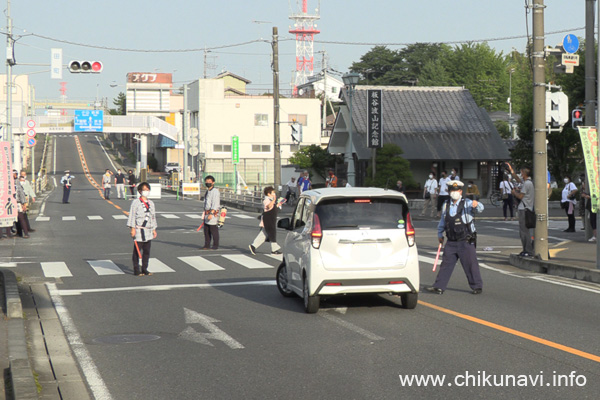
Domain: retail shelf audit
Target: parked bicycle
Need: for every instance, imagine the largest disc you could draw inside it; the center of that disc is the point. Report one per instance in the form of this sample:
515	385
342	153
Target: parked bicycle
496	198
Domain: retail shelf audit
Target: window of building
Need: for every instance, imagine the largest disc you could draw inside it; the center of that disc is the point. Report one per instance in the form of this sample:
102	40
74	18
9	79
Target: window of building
261	119
222	148
302	119
334	90
261	148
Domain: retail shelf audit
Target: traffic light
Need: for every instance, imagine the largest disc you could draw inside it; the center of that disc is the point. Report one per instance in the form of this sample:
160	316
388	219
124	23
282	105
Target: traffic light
576	118
94	67
296	132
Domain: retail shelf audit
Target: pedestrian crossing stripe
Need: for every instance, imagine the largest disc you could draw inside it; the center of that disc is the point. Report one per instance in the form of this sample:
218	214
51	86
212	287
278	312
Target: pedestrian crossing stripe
170	216
68	218
194	216
243	216
246	261
94	217
120	216
42	219
203	264
200	263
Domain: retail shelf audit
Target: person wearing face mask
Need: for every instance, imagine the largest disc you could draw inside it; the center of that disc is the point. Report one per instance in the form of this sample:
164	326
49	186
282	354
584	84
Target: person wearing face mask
568	202
66	182
120	184
22	224
457	222
454	175
442	192
268	223
525	193
430	195
106	184
131	181
142	224
212	204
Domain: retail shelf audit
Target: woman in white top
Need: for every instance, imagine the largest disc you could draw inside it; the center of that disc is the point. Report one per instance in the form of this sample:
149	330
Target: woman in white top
568	202
430	195
507	198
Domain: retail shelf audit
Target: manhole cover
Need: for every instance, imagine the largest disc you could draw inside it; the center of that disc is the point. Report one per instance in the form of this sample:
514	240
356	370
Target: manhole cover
123	339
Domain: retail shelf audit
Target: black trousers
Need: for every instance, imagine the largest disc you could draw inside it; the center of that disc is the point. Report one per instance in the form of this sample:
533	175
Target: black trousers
441	200
22	225
571	216
211	232
66	192
465	252
508	203
145	250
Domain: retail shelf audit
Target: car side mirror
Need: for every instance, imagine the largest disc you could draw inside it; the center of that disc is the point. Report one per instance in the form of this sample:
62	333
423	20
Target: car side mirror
284	223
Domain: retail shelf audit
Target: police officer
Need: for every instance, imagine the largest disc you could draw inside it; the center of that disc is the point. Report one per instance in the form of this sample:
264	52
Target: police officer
457	222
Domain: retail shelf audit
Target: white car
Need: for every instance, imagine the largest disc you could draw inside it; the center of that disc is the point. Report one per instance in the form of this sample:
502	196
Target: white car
347	241
172	167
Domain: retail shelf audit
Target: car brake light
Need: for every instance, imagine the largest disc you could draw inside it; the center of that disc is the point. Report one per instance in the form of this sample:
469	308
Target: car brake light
396	282
362	200
333	284
316	232
410	230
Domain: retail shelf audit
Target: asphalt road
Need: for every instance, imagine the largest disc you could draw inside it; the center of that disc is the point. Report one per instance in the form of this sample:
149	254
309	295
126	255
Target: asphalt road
212	325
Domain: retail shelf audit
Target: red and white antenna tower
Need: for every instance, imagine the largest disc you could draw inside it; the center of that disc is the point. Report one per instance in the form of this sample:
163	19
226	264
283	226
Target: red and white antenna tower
305	30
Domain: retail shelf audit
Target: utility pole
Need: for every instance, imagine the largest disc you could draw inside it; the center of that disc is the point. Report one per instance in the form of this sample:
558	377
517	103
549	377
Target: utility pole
324	127
540	156
590	90
205	62
9	64
184	126
277	146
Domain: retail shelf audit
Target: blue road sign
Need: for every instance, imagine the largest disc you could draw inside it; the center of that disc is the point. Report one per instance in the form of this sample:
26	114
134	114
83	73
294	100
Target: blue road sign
88	121
571	43
31	142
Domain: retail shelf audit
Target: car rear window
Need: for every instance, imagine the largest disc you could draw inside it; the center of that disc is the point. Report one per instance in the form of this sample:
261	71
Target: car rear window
352	213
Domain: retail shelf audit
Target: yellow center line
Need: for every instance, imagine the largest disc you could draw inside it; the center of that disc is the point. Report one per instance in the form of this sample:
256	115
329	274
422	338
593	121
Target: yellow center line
90	178
515	332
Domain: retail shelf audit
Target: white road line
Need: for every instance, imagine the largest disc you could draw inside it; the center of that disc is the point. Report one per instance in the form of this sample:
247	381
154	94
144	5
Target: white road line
194	216
170	216
246	261
157	288
120	216
55	269
105	267
43	207
504	229
155	265
94	380
348	325
278	257
42	219
109	159
200	263
243	216
69	218
94	217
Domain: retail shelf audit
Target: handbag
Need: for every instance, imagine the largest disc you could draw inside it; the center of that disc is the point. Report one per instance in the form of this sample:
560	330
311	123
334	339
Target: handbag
427	195
505	196
530	219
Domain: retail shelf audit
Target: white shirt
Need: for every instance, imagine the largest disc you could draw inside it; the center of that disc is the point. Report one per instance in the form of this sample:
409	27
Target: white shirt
444	186
431	185
506	187
569	187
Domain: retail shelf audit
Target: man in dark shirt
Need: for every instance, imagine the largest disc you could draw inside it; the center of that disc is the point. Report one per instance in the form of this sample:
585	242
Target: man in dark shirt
120	183
132	182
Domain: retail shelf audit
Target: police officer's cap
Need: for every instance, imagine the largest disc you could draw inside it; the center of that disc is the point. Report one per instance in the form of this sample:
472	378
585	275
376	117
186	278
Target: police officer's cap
455	185
67	171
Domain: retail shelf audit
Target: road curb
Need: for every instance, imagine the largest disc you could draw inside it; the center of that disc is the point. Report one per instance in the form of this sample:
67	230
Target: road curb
23	383
557	269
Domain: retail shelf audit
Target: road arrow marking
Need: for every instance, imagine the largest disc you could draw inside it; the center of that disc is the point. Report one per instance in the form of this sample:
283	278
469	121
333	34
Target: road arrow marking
208	323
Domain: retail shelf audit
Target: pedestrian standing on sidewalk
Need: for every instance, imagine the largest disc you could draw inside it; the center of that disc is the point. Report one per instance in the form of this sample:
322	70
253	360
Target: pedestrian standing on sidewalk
568	202
19	194
442	192
66	182
142	224
132	181
29	194
430	195
212	204
106	184
120	184
526	195
507	198
268	223
588	205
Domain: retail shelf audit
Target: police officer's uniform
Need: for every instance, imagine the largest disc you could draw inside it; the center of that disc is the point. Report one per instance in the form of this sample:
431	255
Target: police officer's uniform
457	222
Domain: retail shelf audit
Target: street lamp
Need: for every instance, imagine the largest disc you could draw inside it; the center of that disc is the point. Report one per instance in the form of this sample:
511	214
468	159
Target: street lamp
350	80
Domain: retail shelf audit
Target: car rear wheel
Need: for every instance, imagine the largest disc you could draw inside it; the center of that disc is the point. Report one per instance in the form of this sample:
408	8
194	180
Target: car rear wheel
409	300
311	303
282	281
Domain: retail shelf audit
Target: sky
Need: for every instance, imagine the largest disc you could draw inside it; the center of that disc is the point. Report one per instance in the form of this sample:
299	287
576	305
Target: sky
106	29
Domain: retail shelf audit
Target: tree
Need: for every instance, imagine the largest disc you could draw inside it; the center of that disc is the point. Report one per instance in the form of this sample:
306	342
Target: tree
390	167
121	102
315	158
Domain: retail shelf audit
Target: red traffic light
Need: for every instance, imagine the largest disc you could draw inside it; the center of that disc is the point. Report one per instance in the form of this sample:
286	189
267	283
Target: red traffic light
577	114
85	66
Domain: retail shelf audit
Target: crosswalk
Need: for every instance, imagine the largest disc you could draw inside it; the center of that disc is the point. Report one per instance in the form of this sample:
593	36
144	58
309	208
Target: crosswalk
122	216
60	269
